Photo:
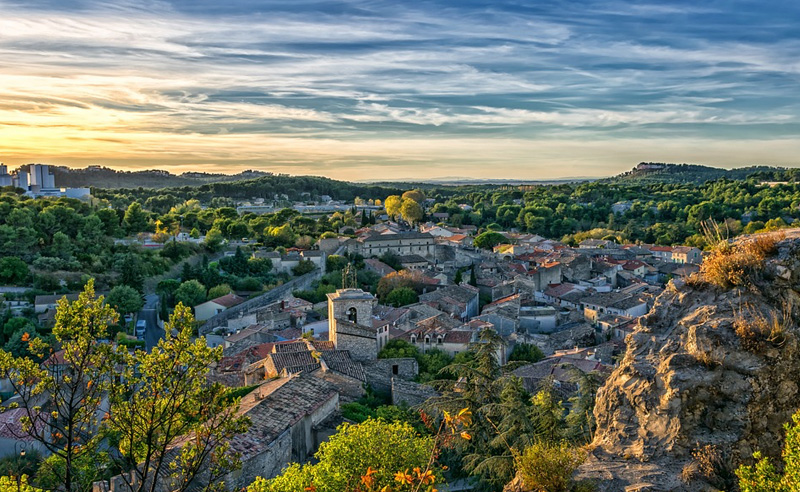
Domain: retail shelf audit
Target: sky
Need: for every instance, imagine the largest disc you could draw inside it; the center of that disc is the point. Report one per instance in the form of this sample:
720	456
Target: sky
357	90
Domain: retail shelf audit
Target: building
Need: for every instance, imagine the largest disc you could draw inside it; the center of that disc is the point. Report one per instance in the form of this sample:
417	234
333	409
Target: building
615	303
350	324
687	255
461	301
404	243
211	308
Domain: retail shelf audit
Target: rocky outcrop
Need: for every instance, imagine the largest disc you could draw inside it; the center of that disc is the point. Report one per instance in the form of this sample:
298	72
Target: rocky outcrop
692	399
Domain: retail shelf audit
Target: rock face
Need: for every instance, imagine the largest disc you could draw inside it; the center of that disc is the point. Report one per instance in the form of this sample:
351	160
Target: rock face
689	382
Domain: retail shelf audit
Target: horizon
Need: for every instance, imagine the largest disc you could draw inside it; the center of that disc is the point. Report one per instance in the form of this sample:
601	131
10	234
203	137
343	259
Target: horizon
357	90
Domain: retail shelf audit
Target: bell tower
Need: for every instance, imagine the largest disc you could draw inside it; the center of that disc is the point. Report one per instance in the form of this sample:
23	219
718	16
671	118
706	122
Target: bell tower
350	323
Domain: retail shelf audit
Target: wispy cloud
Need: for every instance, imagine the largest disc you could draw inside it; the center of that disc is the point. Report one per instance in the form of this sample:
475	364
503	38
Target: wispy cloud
337	87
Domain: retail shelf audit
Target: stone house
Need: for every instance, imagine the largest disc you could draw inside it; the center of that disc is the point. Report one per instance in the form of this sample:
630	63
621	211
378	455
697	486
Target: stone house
213	307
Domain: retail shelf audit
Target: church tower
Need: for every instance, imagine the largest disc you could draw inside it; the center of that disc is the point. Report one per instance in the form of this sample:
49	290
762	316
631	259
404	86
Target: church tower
350	324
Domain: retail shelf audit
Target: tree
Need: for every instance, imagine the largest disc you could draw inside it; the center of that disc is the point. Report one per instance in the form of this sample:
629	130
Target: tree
135	219
526	352
549	467
416	195
489	240
335	262
401	296
303	267
473	280
213	241
74	381
412	211
13	270
165	394
190	293
393	204
764	476
398	348
459	277
125	299
219	291
382	448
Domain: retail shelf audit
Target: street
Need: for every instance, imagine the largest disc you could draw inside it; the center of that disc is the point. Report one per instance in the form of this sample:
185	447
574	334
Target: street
153	333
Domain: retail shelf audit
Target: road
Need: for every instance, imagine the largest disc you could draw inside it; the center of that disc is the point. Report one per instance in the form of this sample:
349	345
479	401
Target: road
152	332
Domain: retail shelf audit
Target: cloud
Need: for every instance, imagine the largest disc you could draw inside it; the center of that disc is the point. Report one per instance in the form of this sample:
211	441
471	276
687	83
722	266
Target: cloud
333	86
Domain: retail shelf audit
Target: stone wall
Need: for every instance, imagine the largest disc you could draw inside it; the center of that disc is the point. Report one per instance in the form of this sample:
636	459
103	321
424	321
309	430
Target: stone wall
410	393
256	303
380	372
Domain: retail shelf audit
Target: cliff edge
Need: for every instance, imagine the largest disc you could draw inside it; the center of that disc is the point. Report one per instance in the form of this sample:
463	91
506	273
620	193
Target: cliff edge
710	375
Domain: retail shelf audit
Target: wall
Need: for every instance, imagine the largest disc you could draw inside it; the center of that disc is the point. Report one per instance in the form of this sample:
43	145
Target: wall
380	371
261	301
410	393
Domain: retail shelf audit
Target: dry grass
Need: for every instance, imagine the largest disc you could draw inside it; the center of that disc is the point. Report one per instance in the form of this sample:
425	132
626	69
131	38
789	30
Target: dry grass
712	464
737	264
757	330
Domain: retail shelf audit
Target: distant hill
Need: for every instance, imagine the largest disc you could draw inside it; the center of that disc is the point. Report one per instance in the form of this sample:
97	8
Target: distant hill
103	177
658	172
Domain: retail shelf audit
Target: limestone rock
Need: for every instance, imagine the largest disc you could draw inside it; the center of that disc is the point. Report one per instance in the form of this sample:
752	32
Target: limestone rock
688	381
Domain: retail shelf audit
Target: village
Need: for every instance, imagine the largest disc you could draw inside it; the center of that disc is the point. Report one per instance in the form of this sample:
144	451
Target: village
576	304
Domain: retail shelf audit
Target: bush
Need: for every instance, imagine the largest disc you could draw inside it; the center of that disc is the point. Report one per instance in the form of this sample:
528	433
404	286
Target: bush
737	264
357	412
547	467
757	330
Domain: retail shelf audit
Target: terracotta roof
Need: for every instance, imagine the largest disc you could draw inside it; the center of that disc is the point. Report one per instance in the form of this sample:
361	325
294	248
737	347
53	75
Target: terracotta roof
275	407
294	362
228	301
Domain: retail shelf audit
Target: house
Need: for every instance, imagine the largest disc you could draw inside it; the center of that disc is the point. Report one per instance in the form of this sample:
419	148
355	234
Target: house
377	266
289	418
209	309
687	255
616	303
636	267
461	301
413	262
663	253
43	303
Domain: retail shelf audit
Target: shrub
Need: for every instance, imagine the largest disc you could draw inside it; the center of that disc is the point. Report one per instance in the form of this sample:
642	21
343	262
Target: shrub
757	330
737	264
548	467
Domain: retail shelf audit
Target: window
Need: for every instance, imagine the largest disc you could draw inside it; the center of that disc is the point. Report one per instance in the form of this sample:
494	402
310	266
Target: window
439	340
427	339
352	315
395	369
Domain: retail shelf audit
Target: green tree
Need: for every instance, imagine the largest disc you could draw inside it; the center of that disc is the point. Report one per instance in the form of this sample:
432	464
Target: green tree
764	475
398	348
74	380
13	270
489	240
219	291
402	296
190	293
135	219
303	267
214	239
335	262
165	394
382	447
125	299
526	352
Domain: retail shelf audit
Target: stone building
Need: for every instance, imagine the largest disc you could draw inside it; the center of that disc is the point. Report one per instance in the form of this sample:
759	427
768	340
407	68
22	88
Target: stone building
351	325
404	243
